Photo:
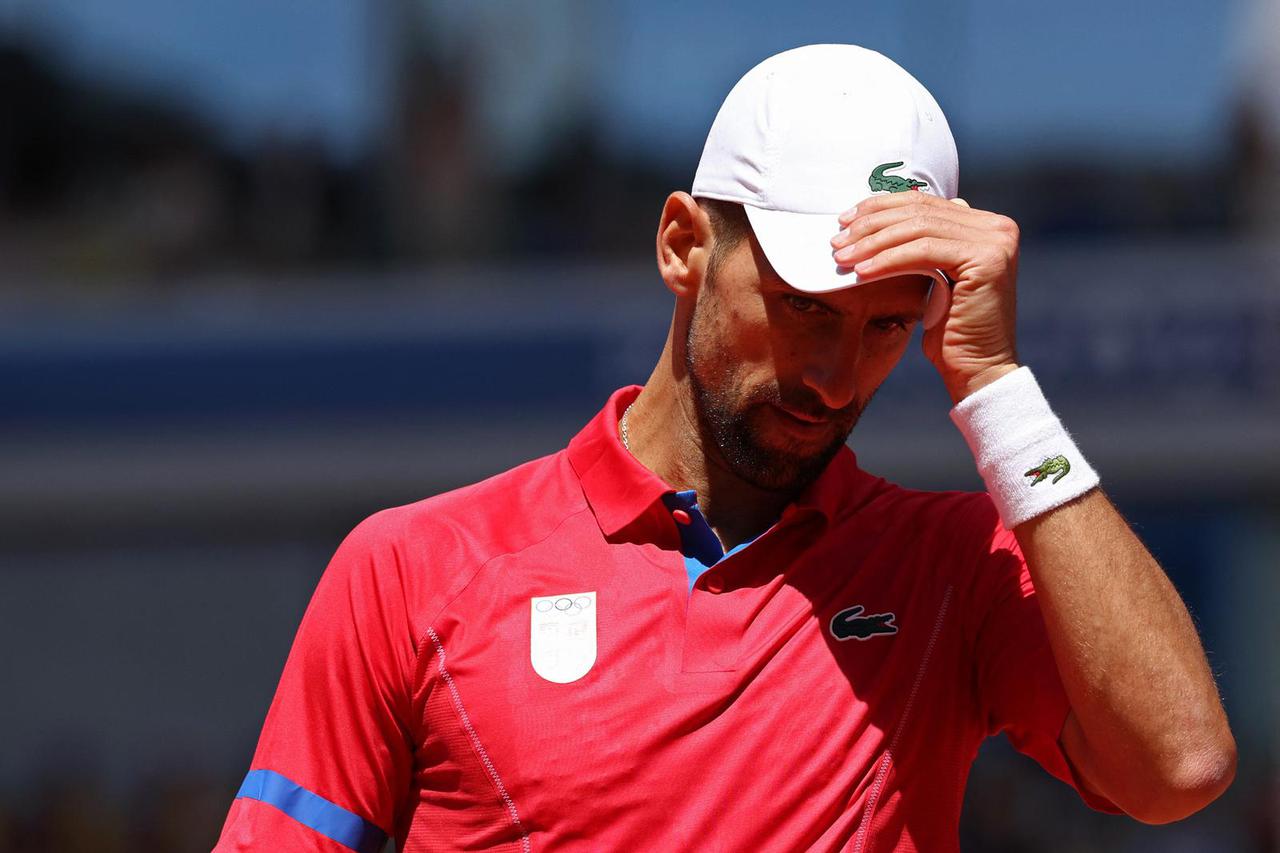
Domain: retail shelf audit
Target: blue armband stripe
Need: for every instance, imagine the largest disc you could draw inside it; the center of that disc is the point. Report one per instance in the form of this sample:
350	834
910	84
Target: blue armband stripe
329	819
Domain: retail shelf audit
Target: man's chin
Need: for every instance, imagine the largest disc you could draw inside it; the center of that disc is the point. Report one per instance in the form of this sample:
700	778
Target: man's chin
784	472
766	445
783	463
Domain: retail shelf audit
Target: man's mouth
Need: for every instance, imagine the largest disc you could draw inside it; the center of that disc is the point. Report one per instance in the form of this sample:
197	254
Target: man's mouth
803	417
803	422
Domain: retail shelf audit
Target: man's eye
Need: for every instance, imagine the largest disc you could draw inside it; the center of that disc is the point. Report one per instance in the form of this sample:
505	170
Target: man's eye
801	304
891	324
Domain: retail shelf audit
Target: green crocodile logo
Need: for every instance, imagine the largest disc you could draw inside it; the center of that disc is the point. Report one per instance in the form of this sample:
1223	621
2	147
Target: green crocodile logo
1051	465
882	183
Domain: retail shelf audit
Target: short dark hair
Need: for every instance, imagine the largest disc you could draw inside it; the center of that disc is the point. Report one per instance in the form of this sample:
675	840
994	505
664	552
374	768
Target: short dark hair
730	226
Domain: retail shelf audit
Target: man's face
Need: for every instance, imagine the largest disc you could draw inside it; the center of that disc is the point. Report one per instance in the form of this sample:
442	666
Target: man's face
779	376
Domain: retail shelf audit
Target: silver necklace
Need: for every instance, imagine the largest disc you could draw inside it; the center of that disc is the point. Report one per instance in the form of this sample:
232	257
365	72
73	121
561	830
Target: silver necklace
622	429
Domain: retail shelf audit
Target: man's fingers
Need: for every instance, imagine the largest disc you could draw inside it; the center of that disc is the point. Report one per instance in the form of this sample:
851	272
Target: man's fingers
871	221
916	227
928	252
960	202
886	201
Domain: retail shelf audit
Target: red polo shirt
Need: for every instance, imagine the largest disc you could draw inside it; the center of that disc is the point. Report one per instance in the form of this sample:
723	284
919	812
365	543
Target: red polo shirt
523	664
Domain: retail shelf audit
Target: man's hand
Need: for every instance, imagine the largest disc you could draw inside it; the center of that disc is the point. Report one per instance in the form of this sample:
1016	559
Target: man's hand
899	232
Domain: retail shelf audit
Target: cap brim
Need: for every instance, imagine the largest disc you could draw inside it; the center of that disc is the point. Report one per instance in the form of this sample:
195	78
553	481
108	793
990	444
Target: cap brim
798	246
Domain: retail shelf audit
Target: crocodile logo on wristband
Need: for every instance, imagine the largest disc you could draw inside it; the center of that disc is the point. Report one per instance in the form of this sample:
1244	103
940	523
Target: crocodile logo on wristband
1051	465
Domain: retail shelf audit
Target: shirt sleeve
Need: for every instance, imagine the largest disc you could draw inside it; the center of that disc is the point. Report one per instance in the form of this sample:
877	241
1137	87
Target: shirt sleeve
1018	682
334	759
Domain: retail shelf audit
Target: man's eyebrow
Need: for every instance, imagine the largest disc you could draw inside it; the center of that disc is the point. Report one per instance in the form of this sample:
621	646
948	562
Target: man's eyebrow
914	311
779	286
910	306
899	306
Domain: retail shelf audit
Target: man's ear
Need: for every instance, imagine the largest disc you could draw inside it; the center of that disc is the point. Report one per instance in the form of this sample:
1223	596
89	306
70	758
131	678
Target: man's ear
683	244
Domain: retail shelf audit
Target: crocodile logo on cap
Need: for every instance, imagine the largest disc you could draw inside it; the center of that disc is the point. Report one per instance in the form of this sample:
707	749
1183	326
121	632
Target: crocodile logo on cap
882	183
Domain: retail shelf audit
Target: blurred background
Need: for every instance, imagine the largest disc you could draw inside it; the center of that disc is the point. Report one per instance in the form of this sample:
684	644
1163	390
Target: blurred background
267	266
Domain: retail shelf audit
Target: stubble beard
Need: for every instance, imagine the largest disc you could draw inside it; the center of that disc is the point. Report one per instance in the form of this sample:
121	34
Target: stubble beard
728	418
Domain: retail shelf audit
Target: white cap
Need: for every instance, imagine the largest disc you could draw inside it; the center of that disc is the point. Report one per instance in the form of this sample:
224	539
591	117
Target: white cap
809	133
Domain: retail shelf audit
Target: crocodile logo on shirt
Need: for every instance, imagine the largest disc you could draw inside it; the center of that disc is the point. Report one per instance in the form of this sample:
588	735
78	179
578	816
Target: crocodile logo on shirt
850	624
1052	465
882	183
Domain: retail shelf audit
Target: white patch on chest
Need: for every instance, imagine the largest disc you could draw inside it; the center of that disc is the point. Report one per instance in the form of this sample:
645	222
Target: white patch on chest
562	635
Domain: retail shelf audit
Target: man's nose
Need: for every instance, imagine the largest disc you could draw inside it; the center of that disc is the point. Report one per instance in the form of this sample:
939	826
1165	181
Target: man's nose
832	369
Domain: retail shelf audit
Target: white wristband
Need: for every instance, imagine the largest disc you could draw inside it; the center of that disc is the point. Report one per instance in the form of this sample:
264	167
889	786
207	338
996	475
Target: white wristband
1024	454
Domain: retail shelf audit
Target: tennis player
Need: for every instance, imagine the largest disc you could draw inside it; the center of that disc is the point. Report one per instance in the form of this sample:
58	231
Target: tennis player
702	626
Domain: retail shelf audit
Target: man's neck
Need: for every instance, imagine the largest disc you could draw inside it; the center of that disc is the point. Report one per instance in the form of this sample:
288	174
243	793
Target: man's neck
663	434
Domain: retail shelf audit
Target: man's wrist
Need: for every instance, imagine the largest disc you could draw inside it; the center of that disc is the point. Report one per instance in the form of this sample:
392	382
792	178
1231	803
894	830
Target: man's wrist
1025	456
980	380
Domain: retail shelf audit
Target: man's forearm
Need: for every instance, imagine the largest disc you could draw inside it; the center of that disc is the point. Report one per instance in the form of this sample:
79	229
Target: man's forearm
1147	728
